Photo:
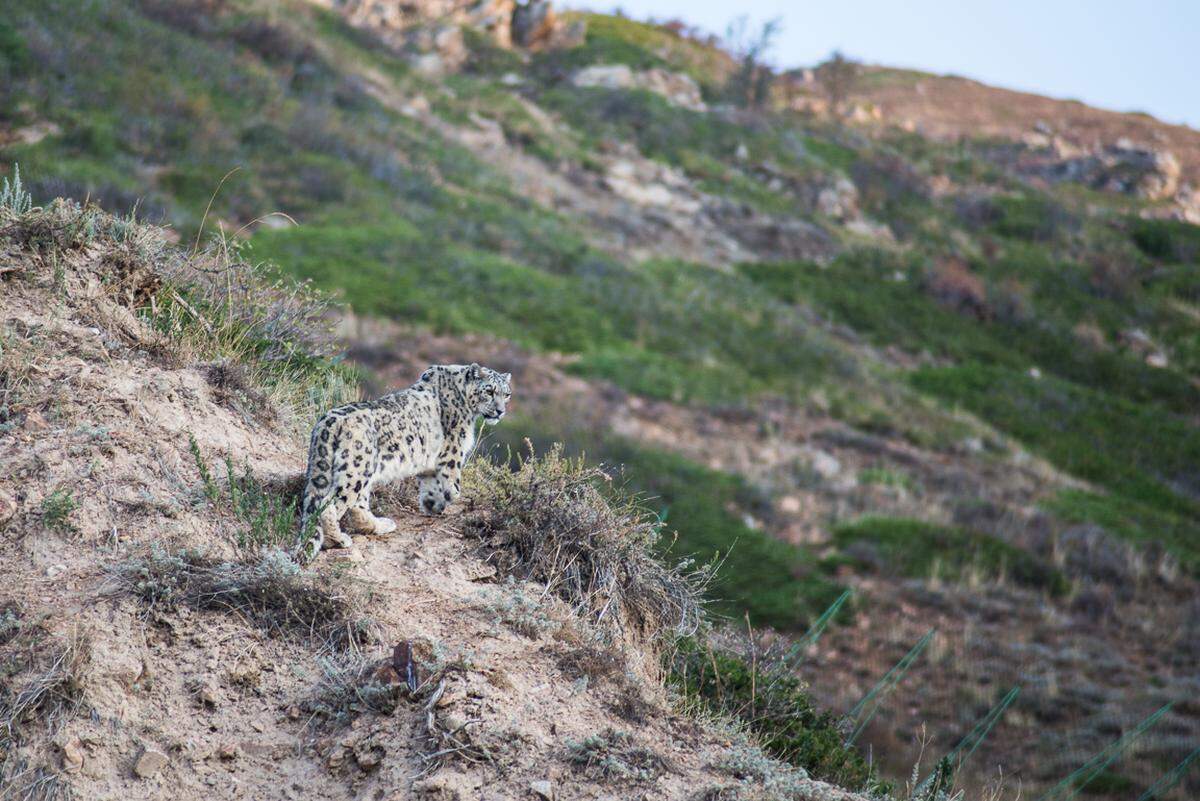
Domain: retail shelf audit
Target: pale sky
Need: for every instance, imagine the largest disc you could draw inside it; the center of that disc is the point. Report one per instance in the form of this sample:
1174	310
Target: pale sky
1126	56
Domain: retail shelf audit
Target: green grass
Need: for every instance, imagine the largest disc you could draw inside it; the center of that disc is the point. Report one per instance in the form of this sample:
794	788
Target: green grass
668	329
774	704
918	549
1146	459
892	304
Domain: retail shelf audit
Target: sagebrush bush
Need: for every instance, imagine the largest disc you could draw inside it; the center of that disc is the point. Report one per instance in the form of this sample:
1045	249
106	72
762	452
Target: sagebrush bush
268	588
551	521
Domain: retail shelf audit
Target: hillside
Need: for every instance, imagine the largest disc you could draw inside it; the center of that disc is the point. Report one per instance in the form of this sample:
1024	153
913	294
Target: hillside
942	353
146	490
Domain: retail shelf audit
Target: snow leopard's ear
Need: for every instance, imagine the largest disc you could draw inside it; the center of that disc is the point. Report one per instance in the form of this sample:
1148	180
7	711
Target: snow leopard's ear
473	372
427	375
507	378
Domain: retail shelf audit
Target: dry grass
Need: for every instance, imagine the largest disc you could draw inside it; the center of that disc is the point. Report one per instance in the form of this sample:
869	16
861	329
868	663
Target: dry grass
41	687
552	522
614	757
351	685
264	336
267	588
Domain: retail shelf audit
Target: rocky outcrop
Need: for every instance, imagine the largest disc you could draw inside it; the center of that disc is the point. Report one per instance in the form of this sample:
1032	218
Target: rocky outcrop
429	32
1123	167
676	87
387	17
535	26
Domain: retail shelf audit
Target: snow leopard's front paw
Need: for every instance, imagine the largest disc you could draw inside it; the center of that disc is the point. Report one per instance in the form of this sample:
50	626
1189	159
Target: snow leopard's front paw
433	498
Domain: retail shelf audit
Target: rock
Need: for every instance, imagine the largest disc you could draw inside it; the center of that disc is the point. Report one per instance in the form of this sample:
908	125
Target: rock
8	509
228	752
839	201
871	230
676	87
1122	168
542	789
606	76
826	465
72	756
150	763
531	21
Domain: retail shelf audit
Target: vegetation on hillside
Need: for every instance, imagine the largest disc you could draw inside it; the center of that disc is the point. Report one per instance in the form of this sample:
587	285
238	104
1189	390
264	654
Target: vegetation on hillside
962	312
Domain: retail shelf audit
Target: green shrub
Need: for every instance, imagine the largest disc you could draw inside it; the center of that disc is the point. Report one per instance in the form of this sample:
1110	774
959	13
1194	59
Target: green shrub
1168	240
918	549
775	706
56	510
1145	457
1032	218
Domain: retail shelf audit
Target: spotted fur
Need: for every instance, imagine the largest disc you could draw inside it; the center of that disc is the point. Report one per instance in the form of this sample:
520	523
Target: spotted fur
426	430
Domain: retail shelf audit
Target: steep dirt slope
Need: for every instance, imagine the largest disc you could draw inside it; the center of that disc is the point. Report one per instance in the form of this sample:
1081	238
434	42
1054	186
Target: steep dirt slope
110	698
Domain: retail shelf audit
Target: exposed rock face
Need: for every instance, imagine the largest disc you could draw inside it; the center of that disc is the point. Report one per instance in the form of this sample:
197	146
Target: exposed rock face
384	16
535	26
1123	167
839	201
676	87
429	32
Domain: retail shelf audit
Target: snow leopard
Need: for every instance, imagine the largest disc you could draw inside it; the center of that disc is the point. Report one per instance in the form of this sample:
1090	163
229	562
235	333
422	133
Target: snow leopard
426	430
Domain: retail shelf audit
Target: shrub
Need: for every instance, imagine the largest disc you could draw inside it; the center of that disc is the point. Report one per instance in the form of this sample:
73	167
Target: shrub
549	521
919	549
200	304
764	694
951	283
261	514
1168	240
613	756
777	583
41	688
56	511
268	589
1032	218
349	686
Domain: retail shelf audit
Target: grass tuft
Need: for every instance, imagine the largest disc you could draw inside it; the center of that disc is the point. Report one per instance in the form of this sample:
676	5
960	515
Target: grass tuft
549	521
268	589
613	756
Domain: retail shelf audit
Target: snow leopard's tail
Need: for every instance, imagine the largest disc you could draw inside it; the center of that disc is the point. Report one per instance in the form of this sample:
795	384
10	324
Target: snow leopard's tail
318	490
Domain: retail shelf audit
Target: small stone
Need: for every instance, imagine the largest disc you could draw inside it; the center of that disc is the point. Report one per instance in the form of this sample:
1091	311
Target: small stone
72	755
228	751
150	762
293	712
542	789
258	726
208	697
8	509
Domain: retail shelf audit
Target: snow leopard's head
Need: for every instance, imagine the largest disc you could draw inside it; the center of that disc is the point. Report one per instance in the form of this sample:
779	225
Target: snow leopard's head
484	391
489	392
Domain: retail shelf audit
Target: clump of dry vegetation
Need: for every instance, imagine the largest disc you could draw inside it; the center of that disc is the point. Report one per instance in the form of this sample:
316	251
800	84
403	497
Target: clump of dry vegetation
41	687
551	520
614	756
268	589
